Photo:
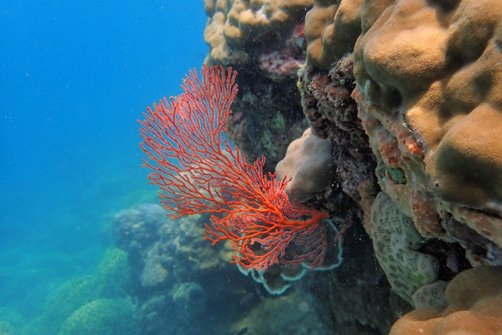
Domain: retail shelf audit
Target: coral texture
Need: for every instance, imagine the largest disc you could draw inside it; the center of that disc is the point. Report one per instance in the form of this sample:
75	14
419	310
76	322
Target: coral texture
396	243
430	101
200	172
332	114
137	228
428	97
176	276
472	309
236	26
331	29
101	317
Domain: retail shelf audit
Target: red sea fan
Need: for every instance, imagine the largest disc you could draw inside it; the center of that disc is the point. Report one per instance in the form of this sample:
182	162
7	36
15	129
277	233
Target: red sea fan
198	171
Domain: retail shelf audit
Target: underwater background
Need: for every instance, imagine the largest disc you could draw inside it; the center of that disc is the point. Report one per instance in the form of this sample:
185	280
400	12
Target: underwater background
359	192
74	78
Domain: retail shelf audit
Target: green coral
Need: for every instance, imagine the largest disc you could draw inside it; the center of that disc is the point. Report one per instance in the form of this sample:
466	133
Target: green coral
110	280
396	243
113	273
61	304
102	317
397	175
285	315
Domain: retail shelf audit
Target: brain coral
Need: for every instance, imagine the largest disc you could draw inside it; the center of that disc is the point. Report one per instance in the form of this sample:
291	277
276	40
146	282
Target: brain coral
235	25
396	243
429	73
473	309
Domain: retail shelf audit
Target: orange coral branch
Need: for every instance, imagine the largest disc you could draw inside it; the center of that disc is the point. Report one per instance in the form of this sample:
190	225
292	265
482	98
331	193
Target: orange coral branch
198	171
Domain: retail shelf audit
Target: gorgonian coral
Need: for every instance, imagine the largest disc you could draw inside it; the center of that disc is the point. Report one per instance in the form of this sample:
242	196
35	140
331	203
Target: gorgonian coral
199	171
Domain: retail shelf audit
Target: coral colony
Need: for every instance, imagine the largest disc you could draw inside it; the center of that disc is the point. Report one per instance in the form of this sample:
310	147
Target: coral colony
199	171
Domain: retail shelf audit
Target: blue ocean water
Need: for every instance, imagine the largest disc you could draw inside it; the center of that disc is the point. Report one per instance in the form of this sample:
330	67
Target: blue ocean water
74	78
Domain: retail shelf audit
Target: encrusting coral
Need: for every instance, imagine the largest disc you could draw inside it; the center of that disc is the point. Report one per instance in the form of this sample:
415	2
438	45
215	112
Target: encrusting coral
332	114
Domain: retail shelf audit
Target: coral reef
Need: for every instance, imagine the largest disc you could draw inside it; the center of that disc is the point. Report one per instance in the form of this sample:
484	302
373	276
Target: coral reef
420	115
332	114
101	317
177	279
426	101
404	106
110	282
430	158
177	275
237	27
264	42
177	248
471	308
331	29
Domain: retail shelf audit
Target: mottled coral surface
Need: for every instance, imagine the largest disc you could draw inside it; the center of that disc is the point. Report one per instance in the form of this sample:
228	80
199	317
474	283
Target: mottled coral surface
428	80
430	75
